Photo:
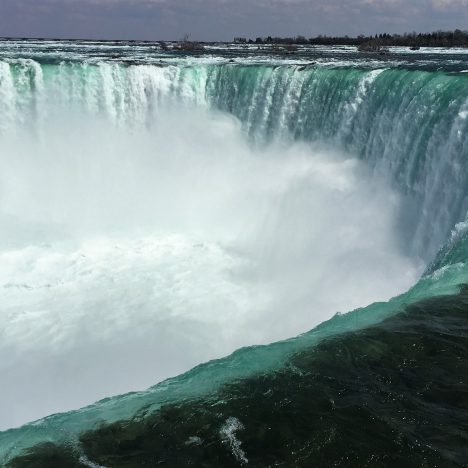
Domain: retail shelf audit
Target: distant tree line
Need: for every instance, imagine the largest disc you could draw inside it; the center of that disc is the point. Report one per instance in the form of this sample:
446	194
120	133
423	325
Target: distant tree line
457	38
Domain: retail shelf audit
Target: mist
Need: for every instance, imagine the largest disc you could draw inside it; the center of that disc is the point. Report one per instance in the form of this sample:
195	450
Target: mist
128	255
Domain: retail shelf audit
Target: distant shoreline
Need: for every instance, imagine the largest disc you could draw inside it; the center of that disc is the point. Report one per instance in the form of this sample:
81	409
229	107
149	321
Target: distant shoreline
437	39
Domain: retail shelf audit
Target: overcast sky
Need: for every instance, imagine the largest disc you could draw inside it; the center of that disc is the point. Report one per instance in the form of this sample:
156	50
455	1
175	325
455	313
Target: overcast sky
224	19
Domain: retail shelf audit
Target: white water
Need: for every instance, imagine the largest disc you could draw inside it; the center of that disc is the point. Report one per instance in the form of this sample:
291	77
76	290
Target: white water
130	256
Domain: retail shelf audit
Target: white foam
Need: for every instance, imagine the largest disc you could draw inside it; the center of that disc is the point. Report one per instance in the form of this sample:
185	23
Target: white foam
228	434
130	255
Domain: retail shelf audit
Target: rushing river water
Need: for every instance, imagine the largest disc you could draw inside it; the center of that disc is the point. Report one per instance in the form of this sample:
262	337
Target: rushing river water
159	210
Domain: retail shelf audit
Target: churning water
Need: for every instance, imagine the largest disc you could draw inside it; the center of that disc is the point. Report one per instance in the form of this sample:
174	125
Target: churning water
161	213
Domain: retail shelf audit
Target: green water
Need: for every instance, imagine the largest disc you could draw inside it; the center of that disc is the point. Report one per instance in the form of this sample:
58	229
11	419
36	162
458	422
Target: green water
410	125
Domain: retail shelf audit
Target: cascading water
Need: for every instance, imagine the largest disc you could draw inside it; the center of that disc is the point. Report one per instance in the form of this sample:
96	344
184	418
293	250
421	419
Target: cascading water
398	121
160	214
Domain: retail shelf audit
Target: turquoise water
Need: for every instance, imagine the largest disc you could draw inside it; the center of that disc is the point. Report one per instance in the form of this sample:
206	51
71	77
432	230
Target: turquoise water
405	117
409	125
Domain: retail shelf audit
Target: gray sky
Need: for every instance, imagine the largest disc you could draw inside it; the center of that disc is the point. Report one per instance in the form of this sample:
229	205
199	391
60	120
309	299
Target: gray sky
224	19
